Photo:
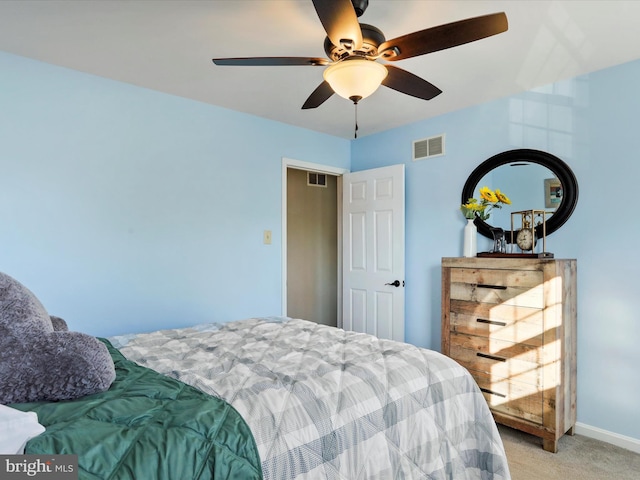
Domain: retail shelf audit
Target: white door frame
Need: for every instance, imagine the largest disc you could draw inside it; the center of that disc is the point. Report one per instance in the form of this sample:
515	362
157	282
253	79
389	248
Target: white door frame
319	168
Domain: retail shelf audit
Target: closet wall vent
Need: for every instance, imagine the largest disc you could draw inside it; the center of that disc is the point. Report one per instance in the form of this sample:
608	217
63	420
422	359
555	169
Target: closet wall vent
428	147
316	179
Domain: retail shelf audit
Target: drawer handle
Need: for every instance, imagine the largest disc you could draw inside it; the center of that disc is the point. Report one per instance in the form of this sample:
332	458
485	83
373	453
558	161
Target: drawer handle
486	390
491	322
494	287
491	357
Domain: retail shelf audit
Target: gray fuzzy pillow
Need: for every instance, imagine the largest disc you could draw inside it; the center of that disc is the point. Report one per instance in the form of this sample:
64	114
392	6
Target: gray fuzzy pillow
39	358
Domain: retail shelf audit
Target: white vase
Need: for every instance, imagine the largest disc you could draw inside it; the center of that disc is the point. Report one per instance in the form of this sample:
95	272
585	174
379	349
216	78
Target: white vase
470	248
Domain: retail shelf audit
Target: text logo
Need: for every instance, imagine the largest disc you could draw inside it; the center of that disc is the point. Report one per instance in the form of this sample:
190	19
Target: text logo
49	467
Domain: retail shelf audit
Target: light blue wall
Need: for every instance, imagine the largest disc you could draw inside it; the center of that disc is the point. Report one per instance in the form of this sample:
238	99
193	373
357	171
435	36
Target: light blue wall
590	122
124	209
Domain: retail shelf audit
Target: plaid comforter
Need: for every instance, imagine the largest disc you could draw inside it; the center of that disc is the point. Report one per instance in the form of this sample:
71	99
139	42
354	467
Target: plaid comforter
323	403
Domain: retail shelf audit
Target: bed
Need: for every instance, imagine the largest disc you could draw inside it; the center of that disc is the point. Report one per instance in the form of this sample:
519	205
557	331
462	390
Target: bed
275	398
324	403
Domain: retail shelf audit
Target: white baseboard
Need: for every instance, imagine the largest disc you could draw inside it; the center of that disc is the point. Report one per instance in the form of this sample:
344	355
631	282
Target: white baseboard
618	440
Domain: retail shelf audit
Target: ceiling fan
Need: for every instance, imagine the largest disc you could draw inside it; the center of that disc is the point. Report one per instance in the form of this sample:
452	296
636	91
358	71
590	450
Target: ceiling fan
354	48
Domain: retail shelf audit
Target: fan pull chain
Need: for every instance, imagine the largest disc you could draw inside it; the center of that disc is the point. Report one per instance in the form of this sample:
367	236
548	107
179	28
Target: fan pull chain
355	99
355	134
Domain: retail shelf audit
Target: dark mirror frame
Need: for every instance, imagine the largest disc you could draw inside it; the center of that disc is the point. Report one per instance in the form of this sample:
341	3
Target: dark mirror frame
559	168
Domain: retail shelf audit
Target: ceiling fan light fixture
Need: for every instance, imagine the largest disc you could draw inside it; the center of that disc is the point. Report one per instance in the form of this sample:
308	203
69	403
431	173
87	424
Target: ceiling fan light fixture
355	78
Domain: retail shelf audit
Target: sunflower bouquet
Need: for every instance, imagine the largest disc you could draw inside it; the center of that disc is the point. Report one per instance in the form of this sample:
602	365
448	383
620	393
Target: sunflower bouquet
489	200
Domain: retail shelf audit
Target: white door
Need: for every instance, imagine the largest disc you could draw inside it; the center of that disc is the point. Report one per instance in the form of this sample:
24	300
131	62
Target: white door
373	252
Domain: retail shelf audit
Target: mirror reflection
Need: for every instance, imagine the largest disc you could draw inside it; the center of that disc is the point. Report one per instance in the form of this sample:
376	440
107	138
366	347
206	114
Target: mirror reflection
528	186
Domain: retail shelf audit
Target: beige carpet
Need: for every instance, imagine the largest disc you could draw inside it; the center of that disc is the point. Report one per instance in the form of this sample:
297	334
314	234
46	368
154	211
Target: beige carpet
578	457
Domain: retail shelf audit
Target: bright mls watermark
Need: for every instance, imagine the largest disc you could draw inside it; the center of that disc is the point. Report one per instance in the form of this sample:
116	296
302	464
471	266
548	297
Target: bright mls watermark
49	467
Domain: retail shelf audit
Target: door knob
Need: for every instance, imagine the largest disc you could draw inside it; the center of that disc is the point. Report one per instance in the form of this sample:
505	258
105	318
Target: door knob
394	284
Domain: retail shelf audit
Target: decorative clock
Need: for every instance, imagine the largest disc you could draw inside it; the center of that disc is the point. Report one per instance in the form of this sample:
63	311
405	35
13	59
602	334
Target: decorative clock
527	228
526	237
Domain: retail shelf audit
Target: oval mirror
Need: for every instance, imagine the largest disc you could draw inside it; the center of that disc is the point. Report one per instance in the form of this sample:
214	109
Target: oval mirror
532	179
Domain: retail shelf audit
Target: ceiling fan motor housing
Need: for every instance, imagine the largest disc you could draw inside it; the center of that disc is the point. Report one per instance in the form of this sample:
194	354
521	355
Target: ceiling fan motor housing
372	38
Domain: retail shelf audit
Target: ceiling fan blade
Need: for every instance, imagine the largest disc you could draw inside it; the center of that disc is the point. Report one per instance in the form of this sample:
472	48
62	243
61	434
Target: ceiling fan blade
410	84
271	61
319	96
444	36
338	17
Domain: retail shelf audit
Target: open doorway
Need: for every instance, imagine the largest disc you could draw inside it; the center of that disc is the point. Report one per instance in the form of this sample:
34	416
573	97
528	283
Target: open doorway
312	247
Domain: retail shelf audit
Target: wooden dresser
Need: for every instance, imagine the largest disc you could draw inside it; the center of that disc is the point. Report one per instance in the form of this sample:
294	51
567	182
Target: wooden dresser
512	324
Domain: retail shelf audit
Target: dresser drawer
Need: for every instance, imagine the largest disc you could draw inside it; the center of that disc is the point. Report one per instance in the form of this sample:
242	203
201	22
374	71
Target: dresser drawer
510	397
521	288
501	322
497	358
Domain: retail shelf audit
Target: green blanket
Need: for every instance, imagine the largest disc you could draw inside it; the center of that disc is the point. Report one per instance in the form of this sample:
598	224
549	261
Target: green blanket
147	426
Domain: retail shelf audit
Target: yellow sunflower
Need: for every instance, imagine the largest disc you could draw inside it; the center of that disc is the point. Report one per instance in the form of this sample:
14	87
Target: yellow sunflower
502	198
489	195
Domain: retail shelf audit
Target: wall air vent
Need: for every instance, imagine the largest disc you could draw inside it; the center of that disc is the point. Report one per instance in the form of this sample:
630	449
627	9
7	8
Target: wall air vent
428	147
316	179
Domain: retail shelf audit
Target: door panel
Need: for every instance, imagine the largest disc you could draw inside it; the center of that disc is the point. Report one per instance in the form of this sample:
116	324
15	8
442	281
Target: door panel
383	246
358	309
373	249
358	248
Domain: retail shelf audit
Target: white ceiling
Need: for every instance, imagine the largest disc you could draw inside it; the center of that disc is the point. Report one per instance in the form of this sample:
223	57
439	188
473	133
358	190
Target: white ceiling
168	46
